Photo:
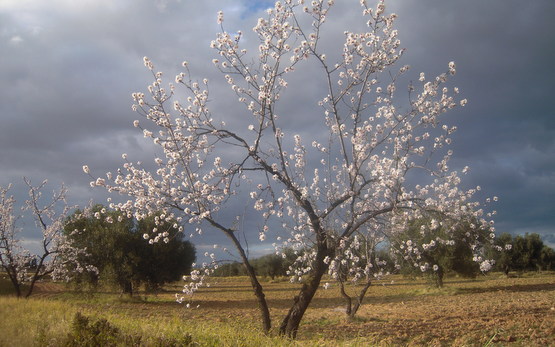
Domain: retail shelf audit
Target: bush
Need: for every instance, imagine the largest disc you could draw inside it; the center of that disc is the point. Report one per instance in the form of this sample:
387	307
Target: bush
99	333
85	333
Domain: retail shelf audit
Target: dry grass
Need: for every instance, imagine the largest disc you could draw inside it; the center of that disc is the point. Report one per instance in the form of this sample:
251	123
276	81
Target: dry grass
491	310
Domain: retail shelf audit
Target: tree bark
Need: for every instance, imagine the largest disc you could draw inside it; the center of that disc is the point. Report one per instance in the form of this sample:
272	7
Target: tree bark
127	287
257	288
348	300
290	324
36	275
350	308
261	298
439	277
15	282
360	297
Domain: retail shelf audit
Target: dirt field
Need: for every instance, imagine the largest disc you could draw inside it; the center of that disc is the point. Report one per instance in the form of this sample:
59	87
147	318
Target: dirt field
491	310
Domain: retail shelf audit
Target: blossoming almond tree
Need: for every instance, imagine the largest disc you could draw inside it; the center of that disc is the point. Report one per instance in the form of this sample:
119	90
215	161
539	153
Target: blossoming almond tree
365	170
56	252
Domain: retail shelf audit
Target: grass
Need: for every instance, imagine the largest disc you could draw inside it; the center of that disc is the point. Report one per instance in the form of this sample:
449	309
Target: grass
492	311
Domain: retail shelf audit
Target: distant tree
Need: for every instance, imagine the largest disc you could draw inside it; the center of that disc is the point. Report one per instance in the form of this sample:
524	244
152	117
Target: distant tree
229	269
111	247
116	246
270	265
547	258
447	247
531	246
523	253
56	251
274	265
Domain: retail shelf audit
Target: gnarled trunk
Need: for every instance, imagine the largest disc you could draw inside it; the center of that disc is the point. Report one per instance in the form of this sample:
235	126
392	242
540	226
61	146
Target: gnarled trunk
261	298
350	308
360	297
348	300
37	275
290	324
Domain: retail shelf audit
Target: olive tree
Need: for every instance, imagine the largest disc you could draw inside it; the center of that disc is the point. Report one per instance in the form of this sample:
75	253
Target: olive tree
522	253
116	247
463	254
370	160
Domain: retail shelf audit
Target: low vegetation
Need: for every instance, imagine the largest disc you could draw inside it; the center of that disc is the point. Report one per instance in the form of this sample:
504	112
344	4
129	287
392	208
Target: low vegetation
492	310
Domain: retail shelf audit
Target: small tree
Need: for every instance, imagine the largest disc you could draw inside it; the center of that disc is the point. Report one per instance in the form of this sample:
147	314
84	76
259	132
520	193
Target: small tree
116	247
56	252
363	260
460	249
105	234
358	165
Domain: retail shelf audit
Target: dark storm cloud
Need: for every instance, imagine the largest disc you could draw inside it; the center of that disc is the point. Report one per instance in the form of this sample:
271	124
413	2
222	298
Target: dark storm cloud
504	52
67	72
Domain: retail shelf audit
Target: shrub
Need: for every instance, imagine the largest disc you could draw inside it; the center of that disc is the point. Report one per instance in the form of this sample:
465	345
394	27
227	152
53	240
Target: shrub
85	333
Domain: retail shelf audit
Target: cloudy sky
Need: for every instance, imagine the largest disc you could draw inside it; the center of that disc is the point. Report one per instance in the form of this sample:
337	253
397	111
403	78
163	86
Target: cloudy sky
68	68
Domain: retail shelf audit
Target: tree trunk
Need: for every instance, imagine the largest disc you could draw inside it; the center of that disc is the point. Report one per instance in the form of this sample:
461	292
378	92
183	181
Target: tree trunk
11	271
37	275
348	300
256	286
32	284
361	296
127	287
261	298
291	322
258	290
31	287
17	290
16	284
439	277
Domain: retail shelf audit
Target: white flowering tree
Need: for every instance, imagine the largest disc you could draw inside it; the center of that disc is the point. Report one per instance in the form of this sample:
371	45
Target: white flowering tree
367	167
56	252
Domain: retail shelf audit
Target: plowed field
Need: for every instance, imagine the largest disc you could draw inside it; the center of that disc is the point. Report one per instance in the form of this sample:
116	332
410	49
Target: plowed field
488	311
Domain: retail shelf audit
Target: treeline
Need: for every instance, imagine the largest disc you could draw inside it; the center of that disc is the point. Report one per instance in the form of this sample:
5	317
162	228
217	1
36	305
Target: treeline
118	248
519	253
526	253
270	265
